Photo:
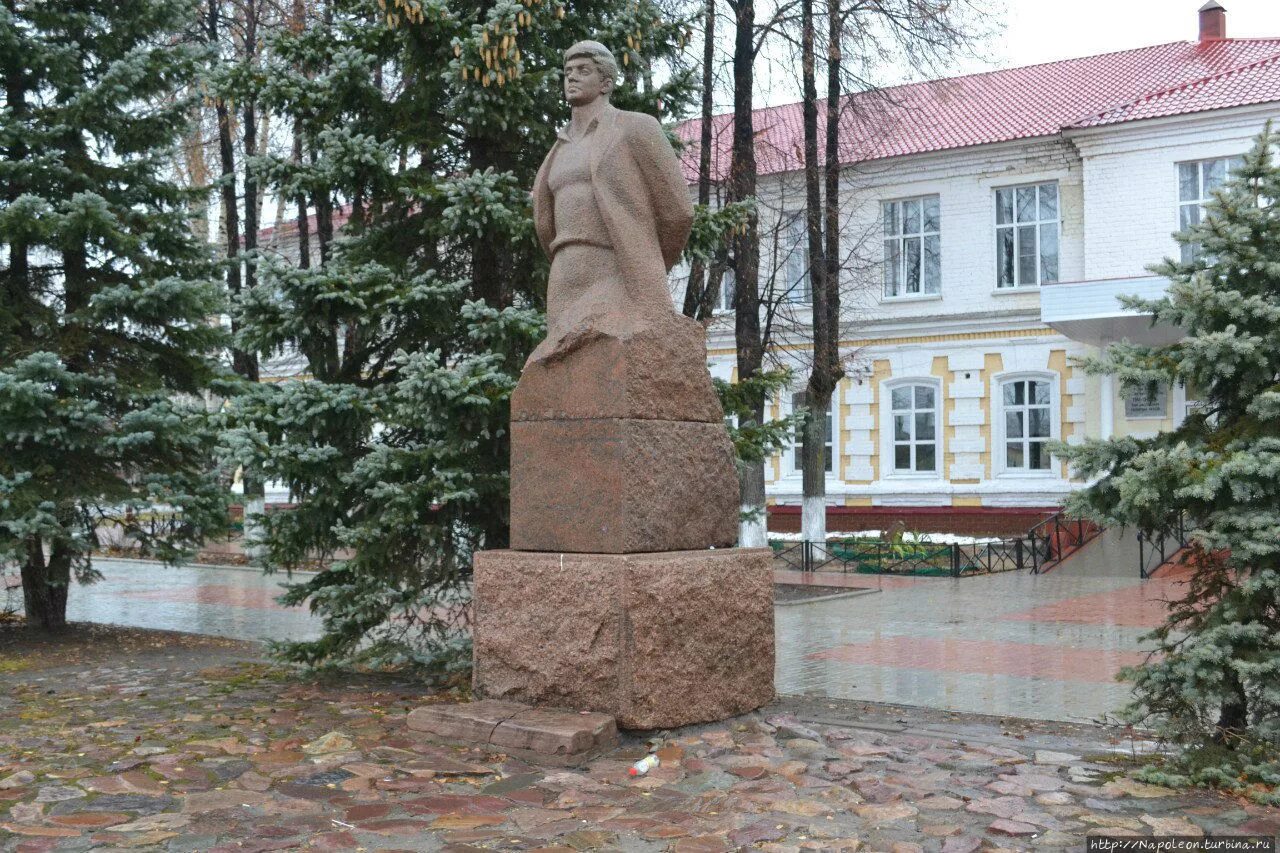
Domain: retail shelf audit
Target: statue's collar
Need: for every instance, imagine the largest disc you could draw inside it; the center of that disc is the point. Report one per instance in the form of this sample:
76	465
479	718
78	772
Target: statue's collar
605	119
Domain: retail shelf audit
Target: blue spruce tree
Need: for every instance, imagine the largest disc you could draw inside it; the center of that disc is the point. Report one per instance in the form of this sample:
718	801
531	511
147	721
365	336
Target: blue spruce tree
106	344
418	129
1213	685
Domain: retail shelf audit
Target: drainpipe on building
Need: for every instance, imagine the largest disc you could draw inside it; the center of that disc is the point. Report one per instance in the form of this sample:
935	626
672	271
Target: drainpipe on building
1107	409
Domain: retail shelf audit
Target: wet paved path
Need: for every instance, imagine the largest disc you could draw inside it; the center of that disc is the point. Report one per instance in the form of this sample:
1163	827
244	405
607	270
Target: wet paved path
217	601
1016	644
1012	644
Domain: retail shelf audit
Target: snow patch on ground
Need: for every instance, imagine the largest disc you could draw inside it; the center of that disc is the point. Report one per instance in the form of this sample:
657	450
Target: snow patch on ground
908	538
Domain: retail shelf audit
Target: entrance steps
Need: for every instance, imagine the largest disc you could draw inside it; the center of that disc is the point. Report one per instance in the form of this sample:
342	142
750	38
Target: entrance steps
1115	552
1112	553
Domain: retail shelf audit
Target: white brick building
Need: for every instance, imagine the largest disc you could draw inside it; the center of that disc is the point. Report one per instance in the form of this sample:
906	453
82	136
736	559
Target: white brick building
991	222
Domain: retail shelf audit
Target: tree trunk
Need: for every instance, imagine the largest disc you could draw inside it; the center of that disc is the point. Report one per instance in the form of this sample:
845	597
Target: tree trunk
746	258
44	586
197	175
326	361
298	23
813	470
46	582
245	363
17	285
1233	716
695	294
831	209
492	265
323	203
813	454
303	219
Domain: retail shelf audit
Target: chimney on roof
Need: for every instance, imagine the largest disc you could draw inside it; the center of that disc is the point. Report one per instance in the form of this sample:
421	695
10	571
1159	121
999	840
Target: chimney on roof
1213	21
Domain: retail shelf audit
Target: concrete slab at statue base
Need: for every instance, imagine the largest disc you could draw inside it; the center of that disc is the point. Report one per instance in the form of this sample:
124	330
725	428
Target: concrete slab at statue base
541	735
656	640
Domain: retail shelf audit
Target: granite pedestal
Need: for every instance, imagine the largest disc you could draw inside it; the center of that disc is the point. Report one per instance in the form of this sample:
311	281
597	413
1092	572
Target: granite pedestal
618	444
656	640
622	485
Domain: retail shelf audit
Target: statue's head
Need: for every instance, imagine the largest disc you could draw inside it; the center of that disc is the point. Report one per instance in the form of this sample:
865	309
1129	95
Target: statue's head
589	73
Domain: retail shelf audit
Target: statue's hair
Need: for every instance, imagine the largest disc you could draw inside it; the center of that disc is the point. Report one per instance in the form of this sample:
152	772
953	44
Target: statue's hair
597	53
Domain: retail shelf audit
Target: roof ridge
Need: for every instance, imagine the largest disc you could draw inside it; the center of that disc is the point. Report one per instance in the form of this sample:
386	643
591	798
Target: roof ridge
882	90
1047	63
1181	87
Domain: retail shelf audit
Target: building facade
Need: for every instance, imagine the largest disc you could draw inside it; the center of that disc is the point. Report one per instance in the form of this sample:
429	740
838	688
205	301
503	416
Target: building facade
989	224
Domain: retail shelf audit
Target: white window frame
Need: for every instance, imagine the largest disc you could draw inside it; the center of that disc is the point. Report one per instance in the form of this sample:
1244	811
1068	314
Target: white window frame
1162	396
888	456
999	448
724	300
789	466
1014	225
895	258
1189	251
793	252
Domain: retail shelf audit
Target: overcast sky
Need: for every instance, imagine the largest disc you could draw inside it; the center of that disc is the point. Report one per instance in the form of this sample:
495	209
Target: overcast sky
1045	30
1037	31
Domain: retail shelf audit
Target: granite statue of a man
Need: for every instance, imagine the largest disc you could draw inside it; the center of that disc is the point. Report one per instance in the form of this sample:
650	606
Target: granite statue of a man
621	591
617	442
611	208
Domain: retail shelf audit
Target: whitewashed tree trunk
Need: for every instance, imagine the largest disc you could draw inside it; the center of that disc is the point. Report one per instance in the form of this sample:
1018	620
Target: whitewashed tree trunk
753	530
813	518
254	506
753	533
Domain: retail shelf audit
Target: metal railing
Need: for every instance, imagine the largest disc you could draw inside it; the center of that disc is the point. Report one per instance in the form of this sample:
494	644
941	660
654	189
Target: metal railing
917	559
1016	554
1157	547
1057	536
1038	550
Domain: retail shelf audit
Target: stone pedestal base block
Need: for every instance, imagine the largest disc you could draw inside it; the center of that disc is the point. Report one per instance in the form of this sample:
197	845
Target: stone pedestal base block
615	486
654	640
541	735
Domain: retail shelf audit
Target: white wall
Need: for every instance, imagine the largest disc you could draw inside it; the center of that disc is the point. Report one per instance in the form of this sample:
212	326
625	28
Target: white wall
965	182
1131	182
1119	208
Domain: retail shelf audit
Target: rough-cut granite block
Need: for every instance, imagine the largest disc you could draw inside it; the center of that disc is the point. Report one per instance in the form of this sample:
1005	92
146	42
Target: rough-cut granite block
654	370
543	735
655	640
617	486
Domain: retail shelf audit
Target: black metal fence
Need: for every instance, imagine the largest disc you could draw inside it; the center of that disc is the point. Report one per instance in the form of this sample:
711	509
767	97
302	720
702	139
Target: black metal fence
1057	536
919	559
1036	551
1160	546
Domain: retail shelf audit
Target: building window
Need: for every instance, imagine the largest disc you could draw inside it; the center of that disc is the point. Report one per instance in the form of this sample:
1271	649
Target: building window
912	247
914	409
1196	182
797	451
1147	401
1027	423
724	302
1027	235
794	241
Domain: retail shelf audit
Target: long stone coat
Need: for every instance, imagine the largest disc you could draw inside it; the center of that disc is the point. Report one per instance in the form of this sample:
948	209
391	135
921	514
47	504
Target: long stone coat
641	194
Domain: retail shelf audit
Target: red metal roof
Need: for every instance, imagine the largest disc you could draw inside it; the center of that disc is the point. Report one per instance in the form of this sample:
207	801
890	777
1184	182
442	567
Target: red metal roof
1015	103
1256	83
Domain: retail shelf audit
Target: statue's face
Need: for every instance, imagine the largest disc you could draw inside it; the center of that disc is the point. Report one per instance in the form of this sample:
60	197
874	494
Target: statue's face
584	81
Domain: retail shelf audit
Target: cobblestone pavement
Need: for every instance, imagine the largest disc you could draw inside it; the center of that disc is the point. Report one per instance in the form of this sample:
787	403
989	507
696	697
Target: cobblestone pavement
136	751
1044	647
